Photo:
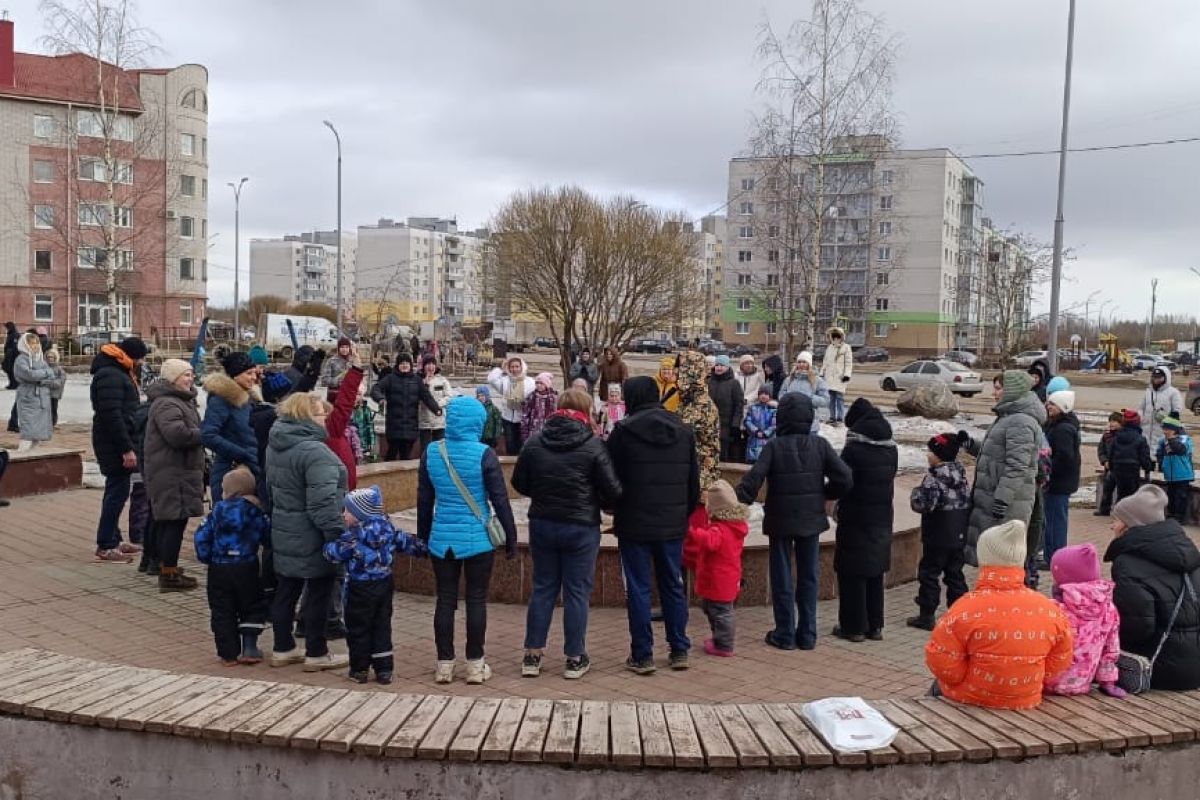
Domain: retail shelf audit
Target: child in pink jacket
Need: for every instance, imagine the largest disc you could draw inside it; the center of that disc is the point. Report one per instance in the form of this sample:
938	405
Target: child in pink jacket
1087	601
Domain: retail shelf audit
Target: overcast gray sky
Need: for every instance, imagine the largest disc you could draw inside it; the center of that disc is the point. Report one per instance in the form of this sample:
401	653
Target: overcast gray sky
445	108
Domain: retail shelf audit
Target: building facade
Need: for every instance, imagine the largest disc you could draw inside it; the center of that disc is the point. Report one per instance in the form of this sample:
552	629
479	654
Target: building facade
302	268
92	189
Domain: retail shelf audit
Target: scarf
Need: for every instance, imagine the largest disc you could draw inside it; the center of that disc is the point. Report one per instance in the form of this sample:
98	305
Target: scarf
571	413
515	397
119	355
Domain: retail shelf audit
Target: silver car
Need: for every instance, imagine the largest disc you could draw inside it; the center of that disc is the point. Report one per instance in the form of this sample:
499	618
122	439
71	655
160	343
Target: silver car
958	378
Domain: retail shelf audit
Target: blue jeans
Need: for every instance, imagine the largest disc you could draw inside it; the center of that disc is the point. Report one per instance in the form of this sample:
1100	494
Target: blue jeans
564	559
116	492
1056	524
794	594
837	406
663	561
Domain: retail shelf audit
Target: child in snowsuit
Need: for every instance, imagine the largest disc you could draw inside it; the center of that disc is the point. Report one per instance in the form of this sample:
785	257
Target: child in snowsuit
1129	455
713	549
367	548
944	502
1174	458
58	384
493	426
760	423
228	542
538	406
1108	480
1087	600
363	419
612	412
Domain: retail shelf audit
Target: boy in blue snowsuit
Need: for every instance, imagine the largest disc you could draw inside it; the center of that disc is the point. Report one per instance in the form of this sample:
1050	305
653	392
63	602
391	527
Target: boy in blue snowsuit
367	549
1174	459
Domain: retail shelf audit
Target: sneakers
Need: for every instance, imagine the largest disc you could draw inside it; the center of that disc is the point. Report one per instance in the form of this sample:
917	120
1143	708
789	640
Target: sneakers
849	637
171	579
577	667
478	671
777	643
359	677
531	665
250	652
875	635
644	666
711	648
444	673
282	658
129	549
384	678
113	556
327	661
924	622
678	660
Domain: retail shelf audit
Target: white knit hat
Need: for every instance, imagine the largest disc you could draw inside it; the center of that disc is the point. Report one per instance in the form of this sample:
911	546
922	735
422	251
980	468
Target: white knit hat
1064	400
1003	545
172	368
805	356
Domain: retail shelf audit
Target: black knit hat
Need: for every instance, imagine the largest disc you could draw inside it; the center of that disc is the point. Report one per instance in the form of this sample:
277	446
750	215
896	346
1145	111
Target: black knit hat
403	358
639	393
134	347
946	445
236	363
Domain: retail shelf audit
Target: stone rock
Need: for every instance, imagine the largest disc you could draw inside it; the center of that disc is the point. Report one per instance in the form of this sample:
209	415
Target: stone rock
929	400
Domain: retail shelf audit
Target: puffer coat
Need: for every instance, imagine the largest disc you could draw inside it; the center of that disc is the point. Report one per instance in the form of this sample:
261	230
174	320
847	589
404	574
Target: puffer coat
34	379
726	393
226	429
173	453
308	487
865	514
1062	433
115	402
402	393
1006	468
566	472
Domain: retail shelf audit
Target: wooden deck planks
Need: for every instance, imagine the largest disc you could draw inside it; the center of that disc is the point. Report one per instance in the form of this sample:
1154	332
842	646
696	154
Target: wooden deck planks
1184	727
65	677
750	751
436	742
59	707
626	738
375	736
196	724
685	742
181	693
1011	726
498	745
469	740
1091	729
341	737
941	749
262	713
165	721
564	732
90	714
718	750
408	736
813	752
532	733
593	733
298	718
309	736
656	740
1001	745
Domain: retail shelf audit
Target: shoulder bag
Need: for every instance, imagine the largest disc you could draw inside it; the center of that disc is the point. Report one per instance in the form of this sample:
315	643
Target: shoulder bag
491	522
1134	672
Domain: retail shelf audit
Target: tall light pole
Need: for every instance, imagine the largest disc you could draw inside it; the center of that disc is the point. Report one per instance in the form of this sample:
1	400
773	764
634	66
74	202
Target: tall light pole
337	137
1056	277
237	251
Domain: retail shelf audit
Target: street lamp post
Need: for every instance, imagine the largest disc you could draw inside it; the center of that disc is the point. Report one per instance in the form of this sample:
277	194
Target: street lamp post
1056	274
338	138
237	250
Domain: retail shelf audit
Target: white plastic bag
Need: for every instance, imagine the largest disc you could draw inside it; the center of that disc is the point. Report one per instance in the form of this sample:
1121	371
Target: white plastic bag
849	724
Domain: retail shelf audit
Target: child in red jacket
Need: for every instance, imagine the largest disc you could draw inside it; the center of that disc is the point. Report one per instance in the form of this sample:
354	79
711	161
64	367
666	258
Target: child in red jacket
716	534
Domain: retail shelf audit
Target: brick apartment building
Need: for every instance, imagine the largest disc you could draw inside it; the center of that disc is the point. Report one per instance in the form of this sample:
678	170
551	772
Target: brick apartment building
55	186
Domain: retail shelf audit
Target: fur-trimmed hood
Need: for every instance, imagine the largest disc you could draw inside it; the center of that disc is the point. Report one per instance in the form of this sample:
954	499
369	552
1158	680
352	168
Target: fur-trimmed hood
227	389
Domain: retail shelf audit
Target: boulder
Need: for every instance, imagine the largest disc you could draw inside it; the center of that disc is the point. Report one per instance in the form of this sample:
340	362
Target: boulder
929	400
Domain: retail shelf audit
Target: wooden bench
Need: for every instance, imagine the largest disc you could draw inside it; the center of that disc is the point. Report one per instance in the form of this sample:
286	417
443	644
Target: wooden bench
42	685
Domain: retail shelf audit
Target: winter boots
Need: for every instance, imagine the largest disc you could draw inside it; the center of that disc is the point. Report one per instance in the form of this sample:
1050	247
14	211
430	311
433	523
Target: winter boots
172	579
250	652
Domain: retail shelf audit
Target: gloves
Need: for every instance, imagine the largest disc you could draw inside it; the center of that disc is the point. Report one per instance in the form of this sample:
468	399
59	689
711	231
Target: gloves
1112	690
999	509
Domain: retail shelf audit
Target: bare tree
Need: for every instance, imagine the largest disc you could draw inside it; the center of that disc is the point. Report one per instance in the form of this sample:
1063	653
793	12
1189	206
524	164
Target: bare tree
829	81
261	304
1012	268
323	310
600	272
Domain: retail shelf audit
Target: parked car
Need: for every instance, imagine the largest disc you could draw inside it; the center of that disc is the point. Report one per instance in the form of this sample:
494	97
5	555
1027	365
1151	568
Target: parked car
713	347
744	350
651	346
1183	358
683	343
960	379
89	343
546	342
964	357
1193	397
1152	360
864	355
1026	358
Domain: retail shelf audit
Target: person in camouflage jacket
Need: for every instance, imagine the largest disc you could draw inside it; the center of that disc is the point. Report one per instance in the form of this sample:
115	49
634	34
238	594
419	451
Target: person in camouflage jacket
697	410
943	499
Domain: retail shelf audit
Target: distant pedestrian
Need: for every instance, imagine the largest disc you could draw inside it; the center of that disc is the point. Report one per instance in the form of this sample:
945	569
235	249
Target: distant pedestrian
512	385
774	374
1129	455
716	535
943	499
726	394
538	406
1041	374
402	392
585	367
1062	432
613	369
1175	462
11	335
1160	400
493	426
336	367
760	423
668	387
836	369
432	424
804	380
58	385
34	381
612	411
1108	479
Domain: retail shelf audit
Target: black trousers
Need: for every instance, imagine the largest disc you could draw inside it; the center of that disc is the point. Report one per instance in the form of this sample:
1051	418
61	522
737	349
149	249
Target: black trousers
236	605
478	573
399	449
939	563
369	624
512	438
860	604
1128	482
168	538
1178	497
1108	488
283	610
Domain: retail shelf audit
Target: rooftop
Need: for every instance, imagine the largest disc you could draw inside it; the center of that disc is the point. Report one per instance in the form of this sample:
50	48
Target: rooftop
70	78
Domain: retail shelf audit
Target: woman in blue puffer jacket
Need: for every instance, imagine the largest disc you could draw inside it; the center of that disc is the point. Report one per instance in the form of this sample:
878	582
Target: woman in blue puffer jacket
457	537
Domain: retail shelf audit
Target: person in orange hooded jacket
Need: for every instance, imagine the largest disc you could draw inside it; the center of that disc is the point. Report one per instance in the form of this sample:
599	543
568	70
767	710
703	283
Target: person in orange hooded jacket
713	549
999	643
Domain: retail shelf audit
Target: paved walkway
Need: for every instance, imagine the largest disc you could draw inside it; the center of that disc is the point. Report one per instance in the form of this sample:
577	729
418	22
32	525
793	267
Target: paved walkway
52	596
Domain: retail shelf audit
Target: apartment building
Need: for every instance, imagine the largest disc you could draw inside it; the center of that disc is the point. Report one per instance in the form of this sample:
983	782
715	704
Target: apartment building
58	226
302	268
421	270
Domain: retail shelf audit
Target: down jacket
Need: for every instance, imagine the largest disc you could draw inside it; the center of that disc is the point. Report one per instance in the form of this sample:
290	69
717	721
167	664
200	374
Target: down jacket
402	393
308	487
1006	466
802	472
1148	566
1157	405
714	551
1062	433
34	379
727	395
172	458
337	424
115	401
1094	633
865	513
567	474
226	429
999	643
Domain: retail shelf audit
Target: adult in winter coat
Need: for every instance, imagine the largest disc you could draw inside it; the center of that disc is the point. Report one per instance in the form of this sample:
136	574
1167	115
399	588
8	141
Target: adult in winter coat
337	424
11	335
227	431
457	536
566	473
1153	561
308	487
804	380
802	473
1160	401
336	367
1040	372
115	399
726	394
585	367
34	378
512	385
173	467
654	456
402	392
774	374
431	425
1006	465
613	369
538	406
1062	432
698	412
668	387
836	370
749	377
864	532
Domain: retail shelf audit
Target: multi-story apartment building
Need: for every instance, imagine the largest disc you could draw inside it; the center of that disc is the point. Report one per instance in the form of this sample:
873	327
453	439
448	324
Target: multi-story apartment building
420	270
302	268
712	231
85	179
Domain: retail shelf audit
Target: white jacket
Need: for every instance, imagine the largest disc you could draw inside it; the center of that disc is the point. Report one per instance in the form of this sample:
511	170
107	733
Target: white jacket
442	393
749	384
1157	404
838	364
500	381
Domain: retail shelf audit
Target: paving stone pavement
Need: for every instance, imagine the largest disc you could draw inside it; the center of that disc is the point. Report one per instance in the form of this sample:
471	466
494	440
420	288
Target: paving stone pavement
53	596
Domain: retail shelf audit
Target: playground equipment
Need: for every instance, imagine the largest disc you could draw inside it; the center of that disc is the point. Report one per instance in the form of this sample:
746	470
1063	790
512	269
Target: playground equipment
1111	357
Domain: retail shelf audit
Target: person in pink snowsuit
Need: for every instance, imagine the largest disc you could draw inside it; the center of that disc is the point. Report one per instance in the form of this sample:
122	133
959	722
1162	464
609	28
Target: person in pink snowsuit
1087	601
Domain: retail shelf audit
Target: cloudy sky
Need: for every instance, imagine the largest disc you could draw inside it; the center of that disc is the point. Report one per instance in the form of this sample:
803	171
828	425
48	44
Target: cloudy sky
447	107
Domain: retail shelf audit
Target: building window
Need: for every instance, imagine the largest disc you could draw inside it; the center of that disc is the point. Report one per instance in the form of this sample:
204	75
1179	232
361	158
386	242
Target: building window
881	304
187	144
194	98
743	304
204	149
884	254
43	126
43	216
43	308
885	229
881	330
747	184
747	209
773	207
772	328
93	257
43	171
187	185
185	312
96	215
204	269
187	269
741	328
93	311
187	227
743	280
93	169
773	279
746	231
745	256
885	203
773	231
881	279
92	124
204	188
773	256
886	176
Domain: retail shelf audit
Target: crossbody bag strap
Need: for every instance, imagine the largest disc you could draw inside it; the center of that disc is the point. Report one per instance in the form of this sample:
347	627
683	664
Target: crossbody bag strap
462	489
1186	588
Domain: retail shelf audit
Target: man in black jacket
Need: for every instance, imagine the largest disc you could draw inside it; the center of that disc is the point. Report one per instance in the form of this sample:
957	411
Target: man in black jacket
655	460
11	335
726	394
1062	432
803	474
402	391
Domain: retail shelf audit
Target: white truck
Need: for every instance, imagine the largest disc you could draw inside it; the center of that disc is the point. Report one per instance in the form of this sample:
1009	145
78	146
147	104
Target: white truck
314	331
